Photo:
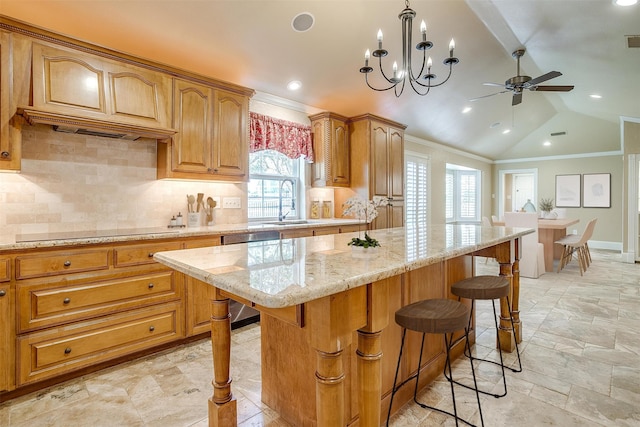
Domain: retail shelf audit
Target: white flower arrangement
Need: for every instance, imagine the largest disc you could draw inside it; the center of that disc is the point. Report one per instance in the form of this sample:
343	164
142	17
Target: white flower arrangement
366	211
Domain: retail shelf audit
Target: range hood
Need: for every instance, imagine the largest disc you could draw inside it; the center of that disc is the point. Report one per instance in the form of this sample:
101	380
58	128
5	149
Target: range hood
87	126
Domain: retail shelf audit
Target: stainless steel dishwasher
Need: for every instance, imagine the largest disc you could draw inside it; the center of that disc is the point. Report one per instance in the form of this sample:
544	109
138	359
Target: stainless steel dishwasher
241	314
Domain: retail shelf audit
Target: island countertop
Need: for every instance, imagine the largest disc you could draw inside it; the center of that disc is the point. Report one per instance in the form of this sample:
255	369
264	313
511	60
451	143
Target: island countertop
287	272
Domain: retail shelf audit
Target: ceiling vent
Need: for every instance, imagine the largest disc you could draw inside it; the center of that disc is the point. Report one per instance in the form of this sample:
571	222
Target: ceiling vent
633	42
558	133
302	22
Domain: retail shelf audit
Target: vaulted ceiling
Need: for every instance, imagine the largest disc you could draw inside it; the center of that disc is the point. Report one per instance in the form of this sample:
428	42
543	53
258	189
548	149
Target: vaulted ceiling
252	43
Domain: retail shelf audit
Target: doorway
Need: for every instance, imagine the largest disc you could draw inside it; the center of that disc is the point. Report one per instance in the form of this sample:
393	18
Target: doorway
516	187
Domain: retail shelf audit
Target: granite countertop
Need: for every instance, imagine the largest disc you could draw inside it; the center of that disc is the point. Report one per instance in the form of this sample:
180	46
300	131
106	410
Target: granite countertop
287	272
77	238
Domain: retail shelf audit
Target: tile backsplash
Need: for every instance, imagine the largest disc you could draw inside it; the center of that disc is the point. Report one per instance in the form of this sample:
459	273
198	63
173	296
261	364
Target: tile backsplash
77	183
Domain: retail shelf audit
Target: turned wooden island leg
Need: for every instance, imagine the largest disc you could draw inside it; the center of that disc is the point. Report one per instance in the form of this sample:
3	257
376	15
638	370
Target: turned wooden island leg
369	353
508	255
369	378
330	389
222	405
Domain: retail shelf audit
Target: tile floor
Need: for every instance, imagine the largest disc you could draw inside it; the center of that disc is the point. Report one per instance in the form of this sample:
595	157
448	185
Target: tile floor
580	352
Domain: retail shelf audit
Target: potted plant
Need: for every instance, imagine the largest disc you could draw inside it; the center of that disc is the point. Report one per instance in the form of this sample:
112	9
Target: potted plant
366	211
546	206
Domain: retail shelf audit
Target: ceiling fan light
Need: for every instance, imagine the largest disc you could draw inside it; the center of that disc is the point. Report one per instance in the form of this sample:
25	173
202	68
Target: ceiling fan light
625	2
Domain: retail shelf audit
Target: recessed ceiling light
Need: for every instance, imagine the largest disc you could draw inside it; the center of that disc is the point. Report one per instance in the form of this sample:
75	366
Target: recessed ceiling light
546	143
466	110
294	85
595	96
506	131
625	2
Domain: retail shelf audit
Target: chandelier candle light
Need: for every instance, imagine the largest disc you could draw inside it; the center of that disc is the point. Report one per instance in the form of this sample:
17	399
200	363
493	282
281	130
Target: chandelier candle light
400	77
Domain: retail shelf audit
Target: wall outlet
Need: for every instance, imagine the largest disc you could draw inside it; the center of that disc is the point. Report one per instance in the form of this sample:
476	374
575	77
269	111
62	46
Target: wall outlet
231	203
218	202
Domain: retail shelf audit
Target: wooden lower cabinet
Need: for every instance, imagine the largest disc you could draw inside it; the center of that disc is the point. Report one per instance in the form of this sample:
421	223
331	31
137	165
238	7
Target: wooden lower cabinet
44	304
7	337
59	350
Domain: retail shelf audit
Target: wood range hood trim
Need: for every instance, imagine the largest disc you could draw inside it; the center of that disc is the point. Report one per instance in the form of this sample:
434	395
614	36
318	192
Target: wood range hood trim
72	124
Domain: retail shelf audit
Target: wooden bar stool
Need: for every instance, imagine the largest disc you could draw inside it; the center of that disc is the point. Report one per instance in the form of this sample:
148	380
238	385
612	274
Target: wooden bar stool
434	316
487	288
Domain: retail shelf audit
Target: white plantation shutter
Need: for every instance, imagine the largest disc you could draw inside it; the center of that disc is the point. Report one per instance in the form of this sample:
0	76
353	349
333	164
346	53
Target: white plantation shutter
462	194
416	189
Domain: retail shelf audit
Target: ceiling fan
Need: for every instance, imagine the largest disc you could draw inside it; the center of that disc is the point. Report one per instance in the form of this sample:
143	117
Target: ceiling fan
519	83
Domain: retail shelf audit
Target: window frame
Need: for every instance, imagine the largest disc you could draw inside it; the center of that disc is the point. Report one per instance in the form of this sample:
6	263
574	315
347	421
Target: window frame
454	193
298	166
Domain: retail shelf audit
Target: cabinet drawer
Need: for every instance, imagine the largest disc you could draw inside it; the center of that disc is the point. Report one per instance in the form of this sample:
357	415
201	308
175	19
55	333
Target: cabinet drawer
127	256
5	269
62	262
60	350
44	305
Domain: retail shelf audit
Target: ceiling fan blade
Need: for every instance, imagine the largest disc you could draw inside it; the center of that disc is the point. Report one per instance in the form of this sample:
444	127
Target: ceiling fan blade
493	84
517	98
552	88
486	96
543	78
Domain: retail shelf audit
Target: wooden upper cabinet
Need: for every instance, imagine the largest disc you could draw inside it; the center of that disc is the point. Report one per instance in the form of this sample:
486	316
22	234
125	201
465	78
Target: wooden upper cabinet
72	82
377	165
212	140
193	119
10	142
231	135
331	164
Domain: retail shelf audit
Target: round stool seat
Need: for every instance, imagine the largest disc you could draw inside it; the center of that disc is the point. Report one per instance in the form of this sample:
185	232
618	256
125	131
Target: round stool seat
433	316
482	287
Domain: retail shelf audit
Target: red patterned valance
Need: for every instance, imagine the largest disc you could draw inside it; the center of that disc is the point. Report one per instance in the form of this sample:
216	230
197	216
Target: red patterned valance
289	138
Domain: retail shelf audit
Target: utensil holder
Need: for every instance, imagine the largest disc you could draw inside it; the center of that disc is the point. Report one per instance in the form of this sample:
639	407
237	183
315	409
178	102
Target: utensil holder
193	219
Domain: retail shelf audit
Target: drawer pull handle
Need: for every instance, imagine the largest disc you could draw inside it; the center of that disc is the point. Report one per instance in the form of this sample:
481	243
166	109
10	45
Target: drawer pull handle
67	263
67	350
3	293
150	254
152	328
150	285
66	300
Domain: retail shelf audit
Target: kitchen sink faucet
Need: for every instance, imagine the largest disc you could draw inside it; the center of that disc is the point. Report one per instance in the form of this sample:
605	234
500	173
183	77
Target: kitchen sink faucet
282	216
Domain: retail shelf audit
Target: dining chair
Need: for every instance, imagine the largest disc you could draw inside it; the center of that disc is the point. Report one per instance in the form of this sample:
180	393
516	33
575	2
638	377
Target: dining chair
532	253
577	244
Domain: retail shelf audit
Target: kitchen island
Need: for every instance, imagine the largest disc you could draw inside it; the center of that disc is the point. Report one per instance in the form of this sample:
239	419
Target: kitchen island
325	313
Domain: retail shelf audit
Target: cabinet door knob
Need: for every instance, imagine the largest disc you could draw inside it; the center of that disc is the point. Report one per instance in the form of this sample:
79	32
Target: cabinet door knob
152	328
150	285
3	293
67	263
66	300
150	254
5	155
67	350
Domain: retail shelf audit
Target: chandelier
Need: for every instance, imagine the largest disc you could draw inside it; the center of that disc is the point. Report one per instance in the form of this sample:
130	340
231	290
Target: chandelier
405	73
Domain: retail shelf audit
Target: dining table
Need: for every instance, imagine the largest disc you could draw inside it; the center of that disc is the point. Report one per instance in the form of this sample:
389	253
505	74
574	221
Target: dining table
549	232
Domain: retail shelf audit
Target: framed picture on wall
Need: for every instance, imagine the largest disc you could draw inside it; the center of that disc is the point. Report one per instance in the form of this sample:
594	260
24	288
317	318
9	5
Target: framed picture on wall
568	191
596	190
